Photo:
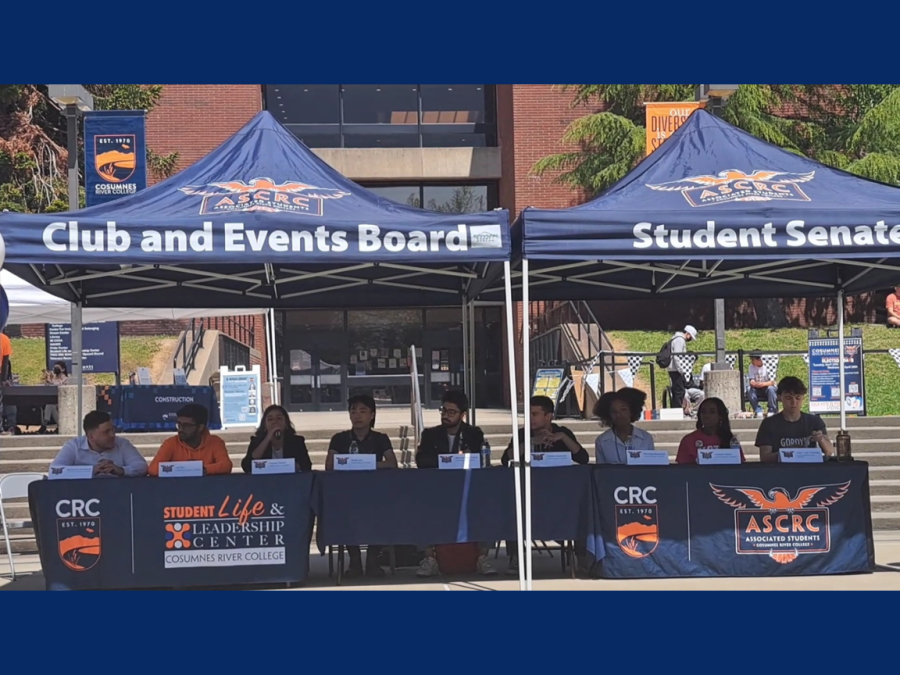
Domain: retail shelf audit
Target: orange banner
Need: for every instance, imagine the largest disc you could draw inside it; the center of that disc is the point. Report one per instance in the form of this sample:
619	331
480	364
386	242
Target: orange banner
663	119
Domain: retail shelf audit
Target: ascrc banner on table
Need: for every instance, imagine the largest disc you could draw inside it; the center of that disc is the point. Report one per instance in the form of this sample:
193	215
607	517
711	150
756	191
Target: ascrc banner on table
825	376
115	154
753	520
151	532
663	119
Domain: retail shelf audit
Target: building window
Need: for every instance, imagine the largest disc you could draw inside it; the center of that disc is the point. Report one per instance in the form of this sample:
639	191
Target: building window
386	115
448	198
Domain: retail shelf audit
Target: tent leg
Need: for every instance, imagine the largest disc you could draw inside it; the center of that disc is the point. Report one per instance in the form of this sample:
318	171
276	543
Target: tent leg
840	313
467	380
77	355
514	410
472	370
526	376
272	357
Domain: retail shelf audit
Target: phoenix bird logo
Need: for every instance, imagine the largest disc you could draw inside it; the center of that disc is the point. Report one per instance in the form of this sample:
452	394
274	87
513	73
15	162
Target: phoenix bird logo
167	468
538	456
342	460
788	453
446	460
779	499
260	184
56	470
259	464
730	176
706	455
634	454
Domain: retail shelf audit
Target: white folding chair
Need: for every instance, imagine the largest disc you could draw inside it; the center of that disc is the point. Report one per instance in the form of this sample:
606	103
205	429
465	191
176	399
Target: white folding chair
15	486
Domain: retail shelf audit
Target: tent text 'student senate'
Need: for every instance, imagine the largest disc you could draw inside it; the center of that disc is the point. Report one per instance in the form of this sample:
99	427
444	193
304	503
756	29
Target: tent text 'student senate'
236	238
795	233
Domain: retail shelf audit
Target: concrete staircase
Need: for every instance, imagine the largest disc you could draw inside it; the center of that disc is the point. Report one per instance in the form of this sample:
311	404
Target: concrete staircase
875	440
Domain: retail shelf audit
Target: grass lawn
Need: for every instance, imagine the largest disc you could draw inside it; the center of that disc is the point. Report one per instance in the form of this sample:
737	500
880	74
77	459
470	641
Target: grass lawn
29	355
881	372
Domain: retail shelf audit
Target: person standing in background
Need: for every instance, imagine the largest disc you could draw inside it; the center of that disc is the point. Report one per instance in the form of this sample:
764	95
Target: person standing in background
678	345
54	378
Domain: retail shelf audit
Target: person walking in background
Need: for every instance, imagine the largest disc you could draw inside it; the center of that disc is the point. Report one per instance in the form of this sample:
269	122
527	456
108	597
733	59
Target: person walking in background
678	345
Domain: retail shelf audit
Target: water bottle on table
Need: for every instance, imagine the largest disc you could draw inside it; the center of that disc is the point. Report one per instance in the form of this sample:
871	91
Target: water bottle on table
485	455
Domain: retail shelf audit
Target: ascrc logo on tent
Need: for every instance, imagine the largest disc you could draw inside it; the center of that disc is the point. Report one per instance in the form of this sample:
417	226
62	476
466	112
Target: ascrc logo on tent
263	194
736	186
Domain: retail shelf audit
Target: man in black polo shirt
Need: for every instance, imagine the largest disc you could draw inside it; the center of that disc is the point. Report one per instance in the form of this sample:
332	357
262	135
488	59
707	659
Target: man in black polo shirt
368	442
547	436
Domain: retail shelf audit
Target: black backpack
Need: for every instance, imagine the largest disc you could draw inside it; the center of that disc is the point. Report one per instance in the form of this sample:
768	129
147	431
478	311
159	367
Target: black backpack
664	356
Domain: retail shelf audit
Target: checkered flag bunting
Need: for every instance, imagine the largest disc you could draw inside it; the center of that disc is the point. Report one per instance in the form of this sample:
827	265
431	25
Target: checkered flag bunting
895	354
634	364
806	359
685	364
770	361
731	359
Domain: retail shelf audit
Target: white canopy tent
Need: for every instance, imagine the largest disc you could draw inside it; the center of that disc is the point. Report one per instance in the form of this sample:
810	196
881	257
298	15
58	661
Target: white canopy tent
28	304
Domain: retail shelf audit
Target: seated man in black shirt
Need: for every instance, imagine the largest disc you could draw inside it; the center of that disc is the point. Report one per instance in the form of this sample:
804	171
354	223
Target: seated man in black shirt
546	436
791	428
368	442
453	435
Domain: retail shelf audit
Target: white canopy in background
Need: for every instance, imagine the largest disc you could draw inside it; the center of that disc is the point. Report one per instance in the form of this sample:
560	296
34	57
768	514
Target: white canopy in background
28	304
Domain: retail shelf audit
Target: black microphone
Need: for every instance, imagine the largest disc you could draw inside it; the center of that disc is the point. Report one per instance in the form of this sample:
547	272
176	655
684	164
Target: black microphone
277	435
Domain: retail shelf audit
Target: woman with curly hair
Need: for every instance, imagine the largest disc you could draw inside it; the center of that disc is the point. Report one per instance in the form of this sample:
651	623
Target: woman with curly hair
619	410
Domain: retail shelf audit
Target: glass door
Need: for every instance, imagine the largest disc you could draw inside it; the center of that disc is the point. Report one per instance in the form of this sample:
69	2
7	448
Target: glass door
316	373
442	363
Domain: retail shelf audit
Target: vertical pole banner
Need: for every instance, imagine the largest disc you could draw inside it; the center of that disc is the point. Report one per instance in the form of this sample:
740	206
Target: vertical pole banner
115	154
663	120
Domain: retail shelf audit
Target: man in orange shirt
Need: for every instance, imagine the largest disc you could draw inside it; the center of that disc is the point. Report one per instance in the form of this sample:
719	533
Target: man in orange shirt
893	308
193	442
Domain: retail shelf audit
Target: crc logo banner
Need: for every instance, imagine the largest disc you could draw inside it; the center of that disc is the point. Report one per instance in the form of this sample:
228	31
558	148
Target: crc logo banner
115	154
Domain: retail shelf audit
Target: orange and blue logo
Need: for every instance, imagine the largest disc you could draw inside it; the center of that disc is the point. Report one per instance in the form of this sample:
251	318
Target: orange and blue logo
263	194
178	535
79	542
637	529
734	185
779	525
114	157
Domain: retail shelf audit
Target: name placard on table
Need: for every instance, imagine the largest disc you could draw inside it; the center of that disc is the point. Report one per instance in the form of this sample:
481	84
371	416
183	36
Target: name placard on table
354	462
466	460
548	459
801	456
647	458
718	455
70	472
189	469
273	466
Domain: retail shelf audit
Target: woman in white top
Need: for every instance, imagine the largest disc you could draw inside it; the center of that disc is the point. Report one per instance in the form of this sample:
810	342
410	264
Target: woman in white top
619	410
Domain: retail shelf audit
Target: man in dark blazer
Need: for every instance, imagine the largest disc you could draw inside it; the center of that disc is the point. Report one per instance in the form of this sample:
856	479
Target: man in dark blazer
453	436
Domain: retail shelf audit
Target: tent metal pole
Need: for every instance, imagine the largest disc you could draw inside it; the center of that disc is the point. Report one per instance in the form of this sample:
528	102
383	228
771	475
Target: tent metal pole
77	355
473	377
514	412
466	347
526	377
840	313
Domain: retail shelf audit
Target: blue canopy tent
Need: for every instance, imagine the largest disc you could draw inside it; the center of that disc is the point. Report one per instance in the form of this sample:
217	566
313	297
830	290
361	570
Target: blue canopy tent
714	213
260	222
